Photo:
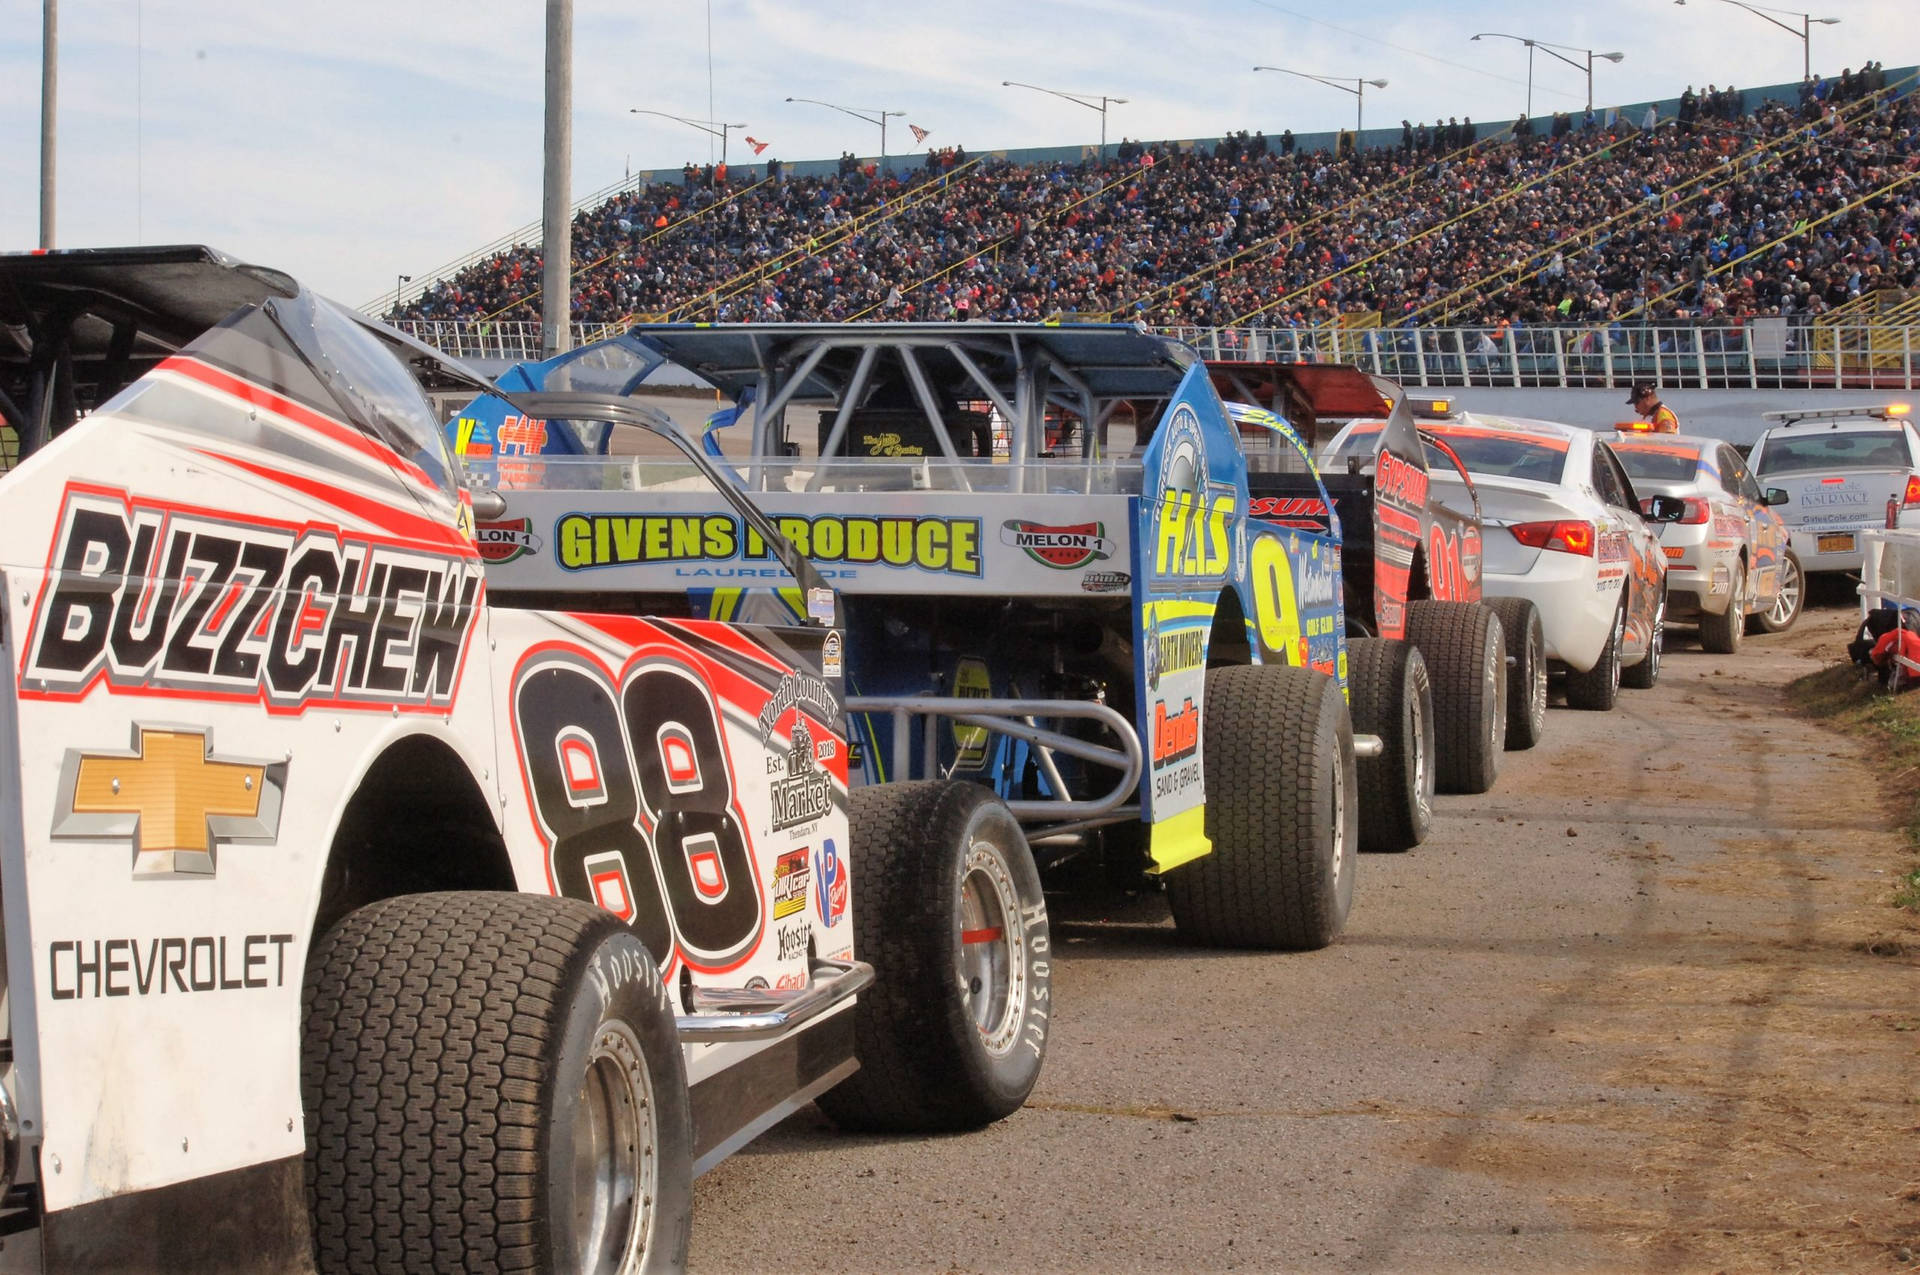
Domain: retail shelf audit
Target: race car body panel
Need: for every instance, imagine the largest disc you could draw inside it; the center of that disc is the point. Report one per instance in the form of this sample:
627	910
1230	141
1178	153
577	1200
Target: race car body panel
251	656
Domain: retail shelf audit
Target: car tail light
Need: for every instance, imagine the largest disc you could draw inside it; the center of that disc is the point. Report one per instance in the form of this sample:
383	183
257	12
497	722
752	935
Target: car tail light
1564	535
1698	512
1913	490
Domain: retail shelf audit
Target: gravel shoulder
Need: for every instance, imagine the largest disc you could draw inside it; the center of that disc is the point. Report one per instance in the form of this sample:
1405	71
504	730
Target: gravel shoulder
1645	1006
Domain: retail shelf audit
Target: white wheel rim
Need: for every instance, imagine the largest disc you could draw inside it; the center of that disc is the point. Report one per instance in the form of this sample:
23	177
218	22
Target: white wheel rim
991	952
615	1169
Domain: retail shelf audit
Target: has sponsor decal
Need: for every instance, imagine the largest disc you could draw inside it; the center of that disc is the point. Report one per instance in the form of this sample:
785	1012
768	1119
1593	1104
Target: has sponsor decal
948	546
1305	513
86	969
1106	582
798	690
171	797
506	541
791	940
1399	483
803	793
161	599
1174	651
830	870
1064	548
1176	735
791	877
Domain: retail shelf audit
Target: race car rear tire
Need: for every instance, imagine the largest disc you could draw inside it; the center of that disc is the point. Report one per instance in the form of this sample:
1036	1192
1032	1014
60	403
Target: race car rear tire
1527	676
1785	608
947	909
1466	656
1390	695
1282	809
1642	676
1721	634
457	1050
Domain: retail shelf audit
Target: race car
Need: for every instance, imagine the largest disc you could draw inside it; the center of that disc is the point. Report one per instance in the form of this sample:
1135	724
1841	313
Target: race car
1842	471
358	919
1053	584
1728	563
1564	530
1412	566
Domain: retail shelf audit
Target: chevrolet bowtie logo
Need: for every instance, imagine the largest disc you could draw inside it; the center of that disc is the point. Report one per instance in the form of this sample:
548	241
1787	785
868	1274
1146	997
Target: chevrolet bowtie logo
172	796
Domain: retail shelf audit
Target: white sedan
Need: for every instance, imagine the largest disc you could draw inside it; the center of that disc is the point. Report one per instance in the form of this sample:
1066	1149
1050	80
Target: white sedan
1562	528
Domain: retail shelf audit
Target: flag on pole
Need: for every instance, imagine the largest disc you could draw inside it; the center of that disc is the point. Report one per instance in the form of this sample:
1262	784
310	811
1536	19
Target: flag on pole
919	134
758	147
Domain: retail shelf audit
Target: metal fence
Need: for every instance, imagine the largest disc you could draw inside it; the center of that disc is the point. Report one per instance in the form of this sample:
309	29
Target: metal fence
1766	354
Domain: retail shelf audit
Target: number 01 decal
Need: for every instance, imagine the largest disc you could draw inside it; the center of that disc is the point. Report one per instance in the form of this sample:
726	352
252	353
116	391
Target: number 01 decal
634	797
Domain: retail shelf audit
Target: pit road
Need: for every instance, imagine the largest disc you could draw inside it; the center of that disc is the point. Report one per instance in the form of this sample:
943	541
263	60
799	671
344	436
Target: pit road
1642	1007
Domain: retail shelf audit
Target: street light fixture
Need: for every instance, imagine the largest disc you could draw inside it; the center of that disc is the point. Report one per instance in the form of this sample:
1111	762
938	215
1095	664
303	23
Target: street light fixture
1087	100
1805	32
712	128
400	281
1547	47
1359	91
873	117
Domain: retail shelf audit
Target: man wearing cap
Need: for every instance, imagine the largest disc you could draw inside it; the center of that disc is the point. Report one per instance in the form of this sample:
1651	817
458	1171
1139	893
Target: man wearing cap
1646	402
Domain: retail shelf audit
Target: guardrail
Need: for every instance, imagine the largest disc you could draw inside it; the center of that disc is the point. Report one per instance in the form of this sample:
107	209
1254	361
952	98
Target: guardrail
1766	354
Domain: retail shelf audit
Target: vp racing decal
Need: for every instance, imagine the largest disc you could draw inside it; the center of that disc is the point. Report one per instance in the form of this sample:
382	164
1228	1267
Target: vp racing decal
157	598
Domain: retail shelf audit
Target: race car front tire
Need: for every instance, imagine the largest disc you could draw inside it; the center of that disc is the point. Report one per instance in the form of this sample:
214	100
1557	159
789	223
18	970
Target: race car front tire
460	1050
1526	641
1282	810
947	908
1466	657
1390	695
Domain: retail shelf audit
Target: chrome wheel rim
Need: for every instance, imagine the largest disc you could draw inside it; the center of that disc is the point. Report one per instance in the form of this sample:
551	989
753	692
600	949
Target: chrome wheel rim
1659	642
1786	604
1422	766
1338	865
1496	681
1613	648
615	1170
992	956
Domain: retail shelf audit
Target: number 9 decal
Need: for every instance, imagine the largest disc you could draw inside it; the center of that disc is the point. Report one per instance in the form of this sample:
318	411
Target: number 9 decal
635	803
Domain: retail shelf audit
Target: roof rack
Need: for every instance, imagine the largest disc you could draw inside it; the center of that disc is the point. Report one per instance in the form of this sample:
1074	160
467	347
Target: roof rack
1882	412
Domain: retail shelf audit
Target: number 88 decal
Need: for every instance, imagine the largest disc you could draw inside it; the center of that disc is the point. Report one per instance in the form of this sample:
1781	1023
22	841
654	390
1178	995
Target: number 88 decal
636	802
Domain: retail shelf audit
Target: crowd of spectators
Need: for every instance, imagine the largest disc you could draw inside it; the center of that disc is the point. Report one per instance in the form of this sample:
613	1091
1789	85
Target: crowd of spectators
1720	214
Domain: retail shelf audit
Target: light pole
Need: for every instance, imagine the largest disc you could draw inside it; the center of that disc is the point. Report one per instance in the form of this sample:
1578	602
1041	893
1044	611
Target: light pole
871	117
1359	91
399	282
712	128
1087	100
1805	32
1547	47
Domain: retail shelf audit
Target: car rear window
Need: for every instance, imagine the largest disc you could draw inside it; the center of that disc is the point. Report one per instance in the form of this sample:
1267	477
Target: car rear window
1659	464
1833	449
1508	455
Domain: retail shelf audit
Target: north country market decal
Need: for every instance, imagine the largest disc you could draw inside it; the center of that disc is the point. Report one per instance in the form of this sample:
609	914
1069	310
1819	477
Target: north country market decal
950	546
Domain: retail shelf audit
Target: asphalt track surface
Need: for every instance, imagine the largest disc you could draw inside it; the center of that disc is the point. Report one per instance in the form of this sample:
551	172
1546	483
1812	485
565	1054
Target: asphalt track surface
1476	1076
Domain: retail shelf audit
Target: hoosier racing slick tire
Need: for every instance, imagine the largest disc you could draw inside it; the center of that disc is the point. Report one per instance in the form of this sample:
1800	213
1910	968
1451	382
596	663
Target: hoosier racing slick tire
1390	696
947	909
1467	658
492	1082
1527	676
1282	809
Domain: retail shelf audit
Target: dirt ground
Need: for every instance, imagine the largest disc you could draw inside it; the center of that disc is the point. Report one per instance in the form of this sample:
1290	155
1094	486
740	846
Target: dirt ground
1646	1006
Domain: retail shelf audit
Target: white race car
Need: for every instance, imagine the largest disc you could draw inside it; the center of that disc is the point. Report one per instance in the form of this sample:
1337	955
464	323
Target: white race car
1562	528
1844	470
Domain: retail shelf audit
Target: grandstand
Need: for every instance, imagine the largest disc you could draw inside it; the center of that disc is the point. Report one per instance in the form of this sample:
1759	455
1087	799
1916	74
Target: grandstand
1766	234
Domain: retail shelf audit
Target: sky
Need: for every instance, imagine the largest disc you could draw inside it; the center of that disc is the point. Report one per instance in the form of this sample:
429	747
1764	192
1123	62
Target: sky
354	141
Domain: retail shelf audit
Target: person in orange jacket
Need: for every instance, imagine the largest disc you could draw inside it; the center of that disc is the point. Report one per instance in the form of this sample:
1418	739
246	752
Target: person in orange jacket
1646	402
